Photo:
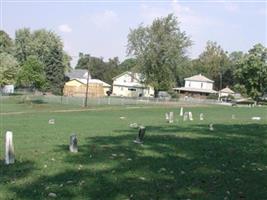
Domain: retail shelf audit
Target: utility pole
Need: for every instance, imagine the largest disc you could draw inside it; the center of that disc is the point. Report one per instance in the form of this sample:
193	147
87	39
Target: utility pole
87	84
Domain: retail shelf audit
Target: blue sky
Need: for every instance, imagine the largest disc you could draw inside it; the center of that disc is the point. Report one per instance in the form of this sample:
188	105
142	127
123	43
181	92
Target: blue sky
101	28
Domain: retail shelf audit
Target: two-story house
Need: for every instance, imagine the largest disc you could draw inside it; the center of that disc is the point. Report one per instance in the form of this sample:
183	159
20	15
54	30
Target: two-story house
130	84
197	85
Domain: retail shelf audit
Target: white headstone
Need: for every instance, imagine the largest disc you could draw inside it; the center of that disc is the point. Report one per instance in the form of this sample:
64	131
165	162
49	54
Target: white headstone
9	147
51	121
190	116
73	144
256	118
167	117
181	111
211	127
233	116
171	117
201	117
185	116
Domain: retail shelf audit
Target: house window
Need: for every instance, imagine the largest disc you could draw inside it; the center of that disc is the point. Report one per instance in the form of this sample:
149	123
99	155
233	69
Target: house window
121	88
132	89
201	85
189	84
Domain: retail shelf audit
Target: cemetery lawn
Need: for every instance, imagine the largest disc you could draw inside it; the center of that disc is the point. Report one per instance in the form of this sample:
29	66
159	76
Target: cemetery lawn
183	160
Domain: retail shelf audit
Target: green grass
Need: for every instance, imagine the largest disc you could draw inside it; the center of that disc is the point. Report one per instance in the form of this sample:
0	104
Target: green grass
183	160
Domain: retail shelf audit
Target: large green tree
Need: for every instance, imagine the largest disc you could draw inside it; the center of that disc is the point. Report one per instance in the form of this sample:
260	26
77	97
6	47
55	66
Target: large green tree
252	71
6	43
8	69
32	74
214	63
159	49
48	48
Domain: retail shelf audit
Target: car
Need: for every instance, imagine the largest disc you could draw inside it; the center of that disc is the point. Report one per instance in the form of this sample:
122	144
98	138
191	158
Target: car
164	95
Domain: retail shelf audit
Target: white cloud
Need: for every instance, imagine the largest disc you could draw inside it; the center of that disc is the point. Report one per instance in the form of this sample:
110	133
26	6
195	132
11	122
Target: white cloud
65	28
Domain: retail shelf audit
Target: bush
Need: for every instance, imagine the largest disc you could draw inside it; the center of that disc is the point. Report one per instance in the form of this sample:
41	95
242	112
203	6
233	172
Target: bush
213	96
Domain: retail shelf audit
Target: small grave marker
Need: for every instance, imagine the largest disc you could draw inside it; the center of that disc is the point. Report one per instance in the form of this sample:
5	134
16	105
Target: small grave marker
190	116
211	127
185	116
171	117
256	118
167	117
181	111
51	121
233	116
9	149
201	117
141	134
73	144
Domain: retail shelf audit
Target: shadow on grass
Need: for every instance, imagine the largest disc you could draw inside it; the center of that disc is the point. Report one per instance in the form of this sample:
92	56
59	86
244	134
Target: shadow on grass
229	163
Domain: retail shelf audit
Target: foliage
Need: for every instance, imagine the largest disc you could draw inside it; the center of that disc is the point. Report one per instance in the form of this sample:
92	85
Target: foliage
213	96
214	63
6	43
252	71
48	48
159	49
32	74
8	69
100	69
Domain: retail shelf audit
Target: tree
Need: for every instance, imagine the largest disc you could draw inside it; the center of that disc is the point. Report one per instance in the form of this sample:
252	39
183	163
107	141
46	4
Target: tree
48	48
32	74
129	64
6	43
159	49
252	71
214	63
8	69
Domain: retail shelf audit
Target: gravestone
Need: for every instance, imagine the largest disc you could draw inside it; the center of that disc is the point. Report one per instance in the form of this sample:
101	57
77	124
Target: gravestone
140	135
51	121
73	144
167	117
201	117
233	116
190	116
185	116
9	149
211	127
133	125
181	111
171	117
256	118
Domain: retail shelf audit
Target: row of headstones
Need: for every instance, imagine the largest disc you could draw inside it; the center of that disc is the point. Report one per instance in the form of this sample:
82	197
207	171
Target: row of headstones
73	146
186	115
10	153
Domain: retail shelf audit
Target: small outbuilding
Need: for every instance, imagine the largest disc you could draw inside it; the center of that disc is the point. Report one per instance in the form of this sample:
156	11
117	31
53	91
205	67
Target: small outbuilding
225	92
77	87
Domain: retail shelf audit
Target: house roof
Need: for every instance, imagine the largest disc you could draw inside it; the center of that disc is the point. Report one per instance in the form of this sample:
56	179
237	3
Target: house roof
135	75
199	78
227	90
195	90
77	73
84	81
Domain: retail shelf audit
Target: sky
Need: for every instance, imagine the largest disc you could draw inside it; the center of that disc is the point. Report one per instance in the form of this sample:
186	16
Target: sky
100	28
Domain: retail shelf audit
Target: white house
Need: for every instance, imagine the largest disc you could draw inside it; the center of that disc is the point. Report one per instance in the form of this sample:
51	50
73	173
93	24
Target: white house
130	84
226	92
197	85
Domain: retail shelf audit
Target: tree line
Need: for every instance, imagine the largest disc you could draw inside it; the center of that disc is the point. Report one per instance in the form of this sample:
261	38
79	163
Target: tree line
158	51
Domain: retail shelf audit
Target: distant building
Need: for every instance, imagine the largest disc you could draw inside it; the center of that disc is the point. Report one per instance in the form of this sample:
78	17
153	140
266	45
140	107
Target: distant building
197	85
78	73
130	84
8	89
76	86
226	92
